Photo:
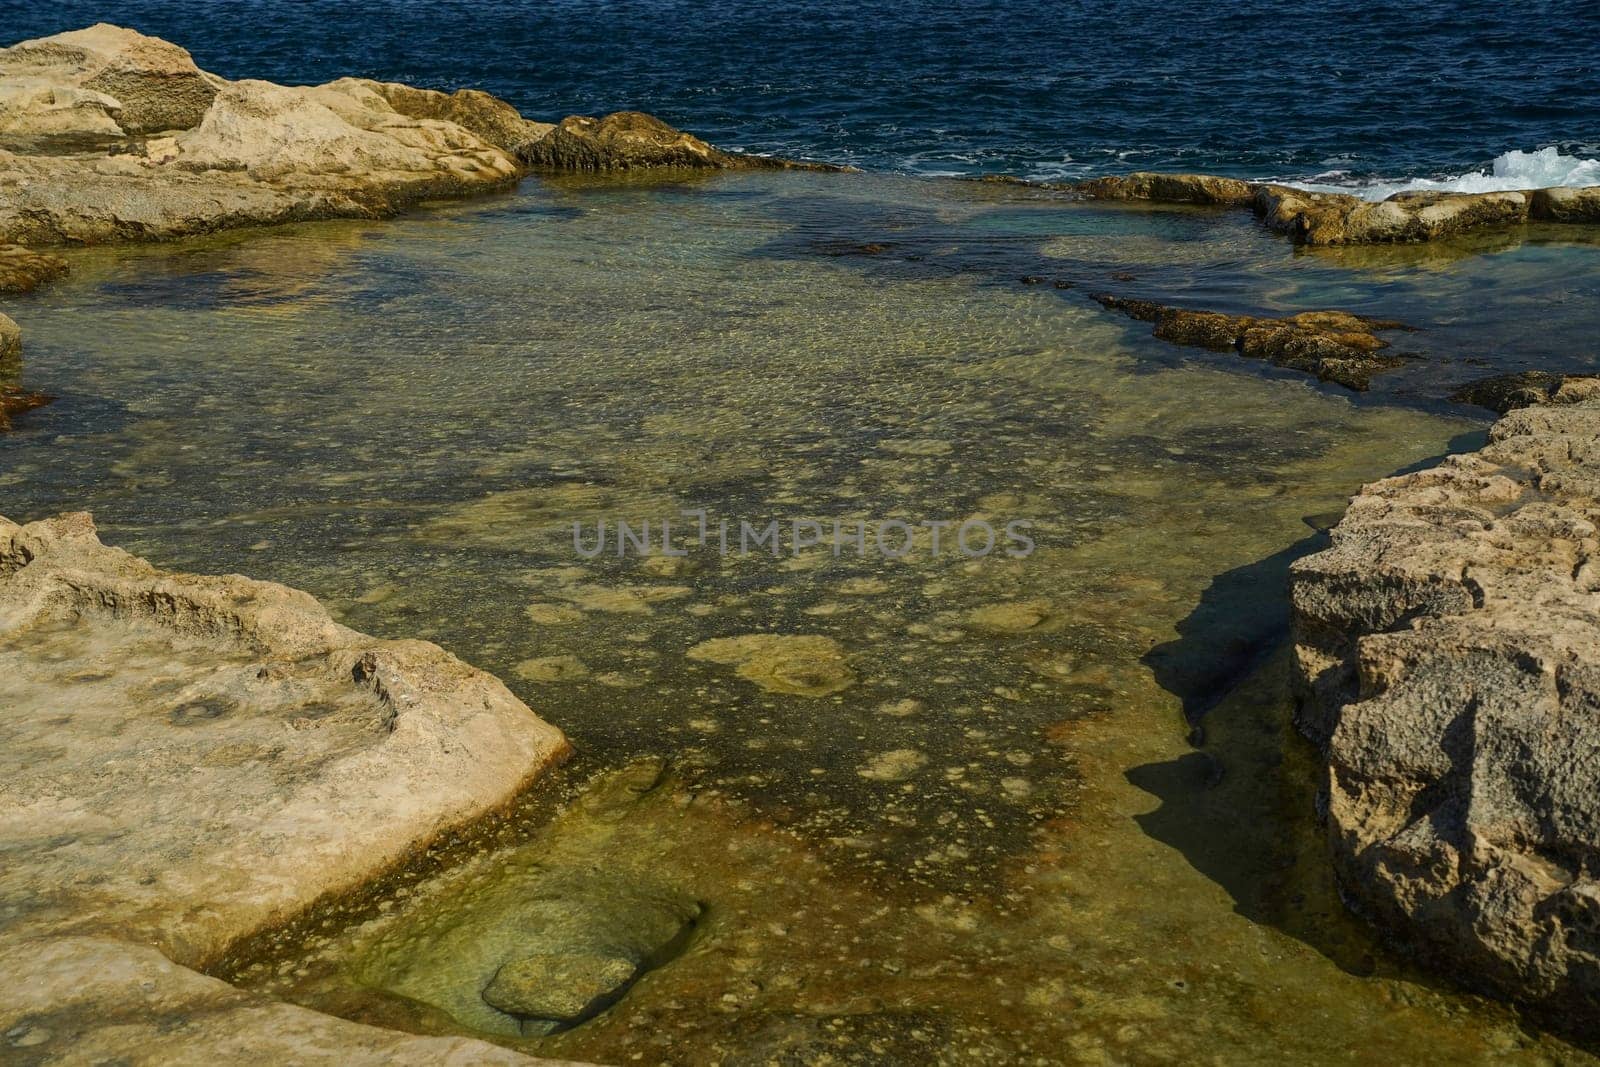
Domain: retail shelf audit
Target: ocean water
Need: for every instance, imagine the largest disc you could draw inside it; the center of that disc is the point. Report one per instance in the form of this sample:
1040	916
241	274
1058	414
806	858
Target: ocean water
1342	91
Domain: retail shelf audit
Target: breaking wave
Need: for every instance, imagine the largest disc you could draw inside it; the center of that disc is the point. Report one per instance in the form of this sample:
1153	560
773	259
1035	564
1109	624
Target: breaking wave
1540	169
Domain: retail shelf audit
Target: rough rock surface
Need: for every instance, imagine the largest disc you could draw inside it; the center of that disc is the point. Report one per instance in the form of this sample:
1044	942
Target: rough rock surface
1318	218
189	760
1338	218
1333	345
1170	189
632	140
1448	662
98	82
1506	392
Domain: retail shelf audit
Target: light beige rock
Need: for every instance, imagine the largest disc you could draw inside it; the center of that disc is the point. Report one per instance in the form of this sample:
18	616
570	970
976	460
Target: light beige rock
191	760
92	1000
260	754
1448	658
805	665
98	81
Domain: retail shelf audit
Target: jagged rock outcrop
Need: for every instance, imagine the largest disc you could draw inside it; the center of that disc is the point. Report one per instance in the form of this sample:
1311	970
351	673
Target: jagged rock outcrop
1507	392
99	82
228	756
632	140
1333	345
488	116
1170	189
1448	661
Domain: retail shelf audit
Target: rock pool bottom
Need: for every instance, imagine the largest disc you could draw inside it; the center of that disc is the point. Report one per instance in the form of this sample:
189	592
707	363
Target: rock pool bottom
963	819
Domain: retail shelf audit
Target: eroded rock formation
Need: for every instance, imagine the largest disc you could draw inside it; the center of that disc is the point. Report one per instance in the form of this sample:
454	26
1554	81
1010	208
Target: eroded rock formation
1336	346
1448	659
632	140
190	760
1170	189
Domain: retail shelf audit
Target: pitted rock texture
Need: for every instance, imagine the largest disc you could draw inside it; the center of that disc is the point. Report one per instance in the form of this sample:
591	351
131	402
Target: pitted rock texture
1326	218
1448	662
1335	346
1170	189
102	81
187	761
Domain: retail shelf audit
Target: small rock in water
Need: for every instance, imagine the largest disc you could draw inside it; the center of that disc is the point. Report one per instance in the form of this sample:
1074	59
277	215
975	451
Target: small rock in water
894	766
563	988
800	664
552	669
1012	617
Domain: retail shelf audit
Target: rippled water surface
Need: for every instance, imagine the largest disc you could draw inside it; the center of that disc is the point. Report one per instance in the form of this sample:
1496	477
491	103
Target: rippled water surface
1259	89
1037	809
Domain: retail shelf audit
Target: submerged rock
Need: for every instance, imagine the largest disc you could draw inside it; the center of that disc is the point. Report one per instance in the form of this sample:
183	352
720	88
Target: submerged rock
14	401
561	988
1506	392
22	269
1448	661
1333	345
799	664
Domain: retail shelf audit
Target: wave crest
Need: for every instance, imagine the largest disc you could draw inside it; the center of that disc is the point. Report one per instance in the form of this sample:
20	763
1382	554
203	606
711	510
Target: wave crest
1540	169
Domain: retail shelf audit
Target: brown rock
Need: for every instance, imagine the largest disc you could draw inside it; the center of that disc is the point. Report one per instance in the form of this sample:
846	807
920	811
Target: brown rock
22	269
1170	189
491	118
1448	662
632	140
1566	205
1506	392
1335	346
1338	218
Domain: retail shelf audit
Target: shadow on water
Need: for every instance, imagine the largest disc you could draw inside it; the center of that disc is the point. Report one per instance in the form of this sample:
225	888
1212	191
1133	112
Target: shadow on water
1242	807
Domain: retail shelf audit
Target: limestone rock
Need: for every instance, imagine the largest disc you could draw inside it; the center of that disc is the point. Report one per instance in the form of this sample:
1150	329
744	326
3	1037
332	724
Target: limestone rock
100	1000
22	269
229	753
1506	392
632	140
97	81
1170	189
1335	346
1567	205
1338	218
1448	663
799	664
10	340
489	117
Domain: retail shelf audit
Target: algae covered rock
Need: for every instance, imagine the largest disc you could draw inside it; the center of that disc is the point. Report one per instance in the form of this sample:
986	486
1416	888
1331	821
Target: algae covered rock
1507	392
23	269
559	987
1170	189
632	140
805	665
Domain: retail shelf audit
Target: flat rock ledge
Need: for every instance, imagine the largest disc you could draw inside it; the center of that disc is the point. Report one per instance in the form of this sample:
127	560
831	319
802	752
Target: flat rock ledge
188	761
1448	663
1313	218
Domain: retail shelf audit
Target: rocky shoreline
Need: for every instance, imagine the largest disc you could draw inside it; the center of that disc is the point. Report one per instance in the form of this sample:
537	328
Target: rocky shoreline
190	760
1448	655
1320	218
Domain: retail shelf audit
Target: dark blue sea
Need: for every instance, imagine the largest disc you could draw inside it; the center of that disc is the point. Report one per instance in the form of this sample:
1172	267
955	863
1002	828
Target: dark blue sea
1340	90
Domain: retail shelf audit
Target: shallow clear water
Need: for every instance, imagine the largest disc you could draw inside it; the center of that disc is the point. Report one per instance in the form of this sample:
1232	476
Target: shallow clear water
996	842
1046	89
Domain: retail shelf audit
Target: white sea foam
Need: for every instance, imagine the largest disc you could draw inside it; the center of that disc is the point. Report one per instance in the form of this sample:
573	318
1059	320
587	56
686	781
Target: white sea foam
1539	169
